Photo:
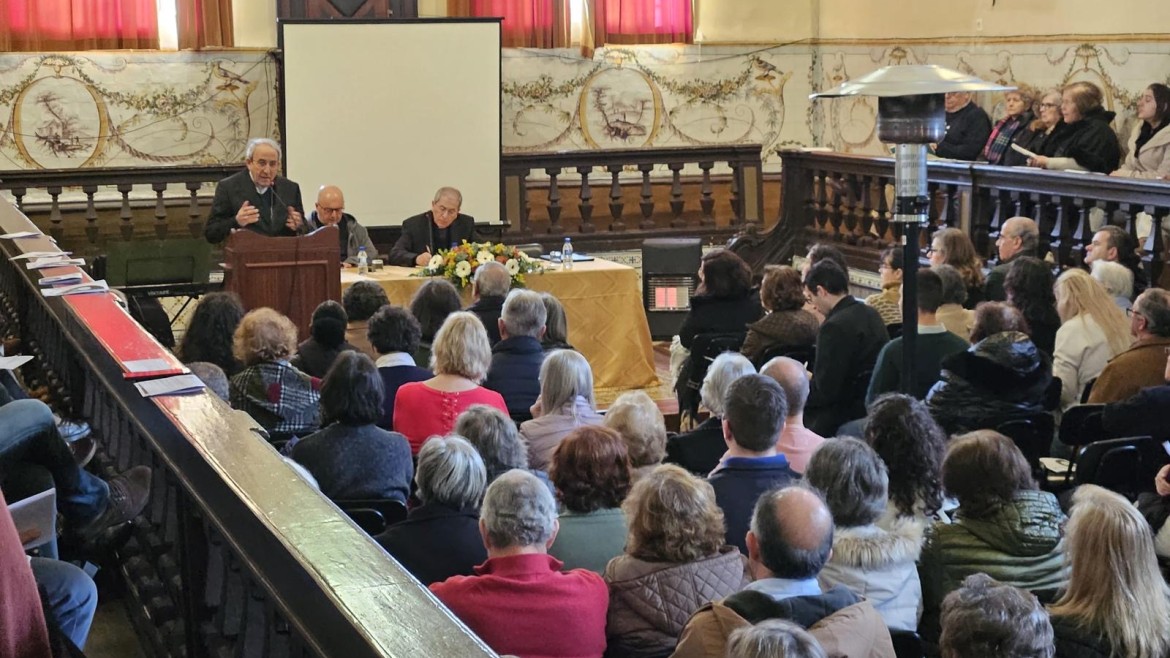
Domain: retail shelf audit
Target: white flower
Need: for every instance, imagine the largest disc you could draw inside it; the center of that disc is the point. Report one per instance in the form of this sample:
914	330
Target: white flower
462	268
512	266
436	262
525	257
484	256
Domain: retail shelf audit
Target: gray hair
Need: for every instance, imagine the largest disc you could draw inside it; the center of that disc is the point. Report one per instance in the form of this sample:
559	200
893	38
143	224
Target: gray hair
1116	278
726	368
1026	230
773	638
1154	305
523	313
450	472
954	290
449	192
852	478
492	279
518	510
213	376
564	375
987	618
261	141
494	435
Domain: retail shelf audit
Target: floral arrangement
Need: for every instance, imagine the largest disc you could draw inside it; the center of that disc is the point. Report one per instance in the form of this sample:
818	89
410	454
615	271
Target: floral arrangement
459	264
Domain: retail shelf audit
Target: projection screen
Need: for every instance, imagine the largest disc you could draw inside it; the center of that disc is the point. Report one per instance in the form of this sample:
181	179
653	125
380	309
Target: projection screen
391	111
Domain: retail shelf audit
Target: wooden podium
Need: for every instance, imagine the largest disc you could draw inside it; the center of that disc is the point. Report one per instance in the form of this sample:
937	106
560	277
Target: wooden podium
292	275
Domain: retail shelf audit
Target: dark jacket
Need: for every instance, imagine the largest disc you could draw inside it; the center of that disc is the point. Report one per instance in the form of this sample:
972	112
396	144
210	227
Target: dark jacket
1001	375
709	315
1036	141
233	191
930	350
357	462
780	329
699	450
967	131
993	288
354	236
1072	641
436	542
313	358
393	378
1092	142
1139	415
418	235
514	374
738	482
848	344
488	309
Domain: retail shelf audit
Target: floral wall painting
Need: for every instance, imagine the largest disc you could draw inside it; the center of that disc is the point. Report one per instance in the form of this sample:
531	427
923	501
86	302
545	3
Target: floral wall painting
62	111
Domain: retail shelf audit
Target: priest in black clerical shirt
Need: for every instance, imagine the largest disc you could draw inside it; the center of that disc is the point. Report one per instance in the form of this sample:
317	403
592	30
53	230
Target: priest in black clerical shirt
440	228
256	198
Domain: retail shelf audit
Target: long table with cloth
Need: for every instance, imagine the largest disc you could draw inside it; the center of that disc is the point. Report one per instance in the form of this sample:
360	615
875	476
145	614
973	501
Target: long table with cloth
603	302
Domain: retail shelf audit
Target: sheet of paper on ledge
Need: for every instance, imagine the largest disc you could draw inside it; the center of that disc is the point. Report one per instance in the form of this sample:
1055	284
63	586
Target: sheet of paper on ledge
147	365
77	289
177	385
42	263
70	277
21	234
40	254
14	362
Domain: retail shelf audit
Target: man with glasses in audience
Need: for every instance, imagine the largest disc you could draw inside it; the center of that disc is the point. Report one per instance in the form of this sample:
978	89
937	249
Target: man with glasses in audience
330	211
1142	365
1019	236
442	227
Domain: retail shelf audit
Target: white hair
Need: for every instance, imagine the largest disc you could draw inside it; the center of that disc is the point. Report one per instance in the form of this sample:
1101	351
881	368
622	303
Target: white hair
262	141
725	369
451	472
524	313
518	510
564	375
1115	277
492	279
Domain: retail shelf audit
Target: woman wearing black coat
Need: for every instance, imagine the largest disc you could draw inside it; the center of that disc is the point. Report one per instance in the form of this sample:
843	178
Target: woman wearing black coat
725	301
1091	144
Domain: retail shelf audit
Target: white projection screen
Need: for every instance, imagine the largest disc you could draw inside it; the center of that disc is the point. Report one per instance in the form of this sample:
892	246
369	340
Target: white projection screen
392	110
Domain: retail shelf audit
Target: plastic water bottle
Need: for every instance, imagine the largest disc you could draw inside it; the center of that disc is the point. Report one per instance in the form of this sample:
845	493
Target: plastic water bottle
567	255
363	261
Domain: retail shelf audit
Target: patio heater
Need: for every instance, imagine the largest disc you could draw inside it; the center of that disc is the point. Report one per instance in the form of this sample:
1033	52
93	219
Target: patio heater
911	115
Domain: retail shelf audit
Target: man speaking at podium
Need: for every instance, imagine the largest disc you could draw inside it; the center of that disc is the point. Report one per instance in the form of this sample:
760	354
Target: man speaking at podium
256	198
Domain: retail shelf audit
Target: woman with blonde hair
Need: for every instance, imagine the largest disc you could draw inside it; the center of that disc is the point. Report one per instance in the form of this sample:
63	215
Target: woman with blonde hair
636	417
951	246
565	403
1116	602
461	355
281	398
675	561
1093	330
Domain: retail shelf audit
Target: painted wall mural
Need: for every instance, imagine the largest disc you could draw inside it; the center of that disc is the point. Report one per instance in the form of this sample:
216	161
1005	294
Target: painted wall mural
73	110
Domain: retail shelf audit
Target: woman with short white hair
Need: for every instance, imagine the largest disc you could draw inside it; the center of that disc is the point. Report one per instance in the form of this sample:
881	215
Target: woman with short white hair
1118	281
461	355
565	403
700	450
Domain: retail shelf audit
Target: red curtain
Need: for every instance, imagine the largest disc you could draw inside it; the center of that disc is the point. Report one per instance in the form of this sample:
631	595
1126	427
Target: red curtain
47	25
527	23
642	21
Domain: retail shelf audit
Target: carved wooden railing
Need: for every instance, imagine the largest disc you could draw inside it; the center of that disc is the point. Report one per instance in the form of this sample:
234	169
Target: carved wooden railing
235	555
846	200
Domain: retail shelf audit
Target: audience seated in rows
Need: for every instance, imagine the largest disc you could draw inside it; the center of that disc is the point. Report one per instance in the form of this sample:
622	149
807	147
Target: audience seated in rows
1148	150
984	618
1028	286
755	409
786	323
1001	375
934	344
489	287
440	536
497	440
519	601
1117	281
952	314
797	443
888	301
1087	142
638	420
350	456
1018	237
1142	413
460	360
361	301
700	450
1093	331
675	561
565	403
326	340
1155	507
434	300
591	473
968	128
951	246
911	444
1042	135
1113	244
1140	366
556	324
394	334
1004	526
516	358
1116	602
790	541
1017	117
773	638
282	399
210	330
872	562
724	302
847	348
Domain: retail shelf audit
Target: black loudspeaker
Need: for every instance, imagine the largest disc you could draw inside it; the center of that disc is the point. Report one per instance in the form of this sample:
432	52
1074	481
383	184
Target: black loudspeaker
670	273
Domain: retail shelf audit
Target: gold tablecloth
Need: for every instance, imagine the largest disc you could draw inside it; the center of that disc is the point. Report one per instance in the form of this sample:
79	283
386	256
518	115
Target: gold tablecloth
602	300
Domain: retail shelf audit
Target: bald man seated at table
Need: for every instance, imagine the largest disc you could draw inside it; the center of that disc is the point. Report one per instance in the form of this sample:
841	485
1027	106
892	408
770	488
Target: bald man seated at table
330	211
257	199
441	227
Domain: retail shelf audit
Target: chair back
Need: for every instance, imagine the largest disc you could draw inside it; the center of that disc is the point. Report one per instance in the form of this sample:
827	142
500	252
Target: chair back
1032	433
1127	466
894	330
907	644
1081	425
805	354
35	519
704	349
373	515
154	262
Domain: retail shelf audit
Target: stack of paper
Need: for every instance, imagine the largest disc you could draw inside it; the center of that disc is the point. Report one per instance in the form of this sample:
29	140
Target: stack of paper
61	278
177	385
21	234
14	362
40	254
53	261
77	289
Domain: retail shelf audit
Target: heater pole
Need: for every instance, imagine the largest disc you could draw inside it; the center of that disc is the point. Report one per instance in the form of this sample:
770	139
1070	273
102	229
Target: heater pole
911	205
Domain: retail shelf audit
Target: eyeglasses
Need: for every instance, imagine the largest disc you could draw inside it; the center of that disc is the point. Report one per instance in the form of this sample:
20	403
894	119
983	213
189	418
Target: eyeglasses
1050	106
1130	312
932	250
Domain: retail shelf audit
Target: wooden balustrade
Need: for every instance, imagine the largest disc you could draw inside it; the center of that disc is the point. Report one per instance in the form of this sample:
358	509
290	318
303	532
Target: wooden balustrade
846	200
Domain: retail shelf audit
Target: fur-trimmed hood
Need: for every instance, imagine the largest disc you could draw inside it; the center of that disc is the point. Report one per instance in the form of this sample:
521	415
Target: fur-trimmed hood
870	547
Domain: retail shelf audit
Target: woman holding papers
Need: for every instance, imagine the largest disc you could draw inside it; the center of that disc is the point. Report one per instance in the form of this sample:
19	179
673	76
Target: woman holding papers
1043	133
1091	144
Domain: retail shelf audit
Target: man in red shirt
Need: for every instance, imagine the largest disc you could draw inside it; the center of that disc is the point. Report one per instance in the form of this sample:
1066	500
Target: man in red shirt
520	602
